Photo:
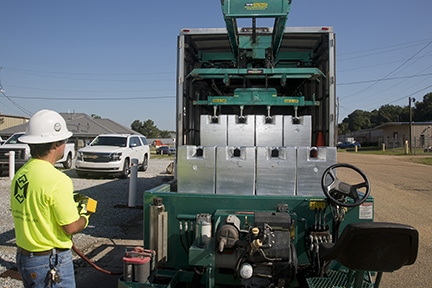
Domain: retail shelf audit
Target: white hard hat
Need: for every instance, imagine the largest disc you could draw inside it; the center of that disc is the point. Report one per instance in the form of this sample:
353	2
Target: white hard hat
45	126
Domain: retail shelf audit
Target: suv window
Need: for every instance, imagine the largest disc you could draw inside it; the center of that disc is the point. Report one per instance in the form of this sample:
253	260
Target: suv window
144	140
14	139
109	141
134	141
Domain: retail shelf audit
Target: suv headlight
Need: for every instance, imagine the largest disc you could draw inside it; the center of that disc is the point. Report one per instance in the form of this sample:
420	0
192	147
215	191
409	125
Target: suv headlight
116	156
79	156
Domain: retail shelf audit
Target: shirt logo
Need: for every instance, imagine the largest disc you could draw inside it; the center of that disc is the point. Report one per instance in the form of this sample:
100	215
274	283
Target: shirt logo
20	191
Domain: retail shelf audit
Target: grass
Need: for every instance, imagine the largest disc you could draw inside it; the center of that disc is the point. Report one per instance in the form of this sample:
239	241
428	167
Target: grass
374	150
158	156
418	156
426	161
154	155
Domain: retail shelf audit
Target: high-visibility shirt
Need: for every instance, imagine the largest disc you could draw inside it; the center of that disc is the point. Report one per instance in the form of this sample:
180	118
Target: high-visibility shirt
42	201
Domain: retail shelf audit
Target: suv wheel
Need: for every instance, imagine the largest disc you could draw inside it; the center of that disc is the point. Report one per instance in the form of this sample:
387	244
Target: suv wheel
144	164
126	169
68	163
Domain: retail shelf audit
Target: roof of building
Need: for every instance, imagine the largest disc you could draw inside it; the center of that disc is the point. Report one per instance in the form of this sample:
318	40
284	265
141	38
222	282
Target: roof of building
81	125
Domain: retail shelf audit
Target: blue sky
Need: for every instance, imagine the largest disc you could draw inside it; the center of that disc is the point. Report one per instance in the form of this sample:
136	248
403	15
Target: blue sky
117	59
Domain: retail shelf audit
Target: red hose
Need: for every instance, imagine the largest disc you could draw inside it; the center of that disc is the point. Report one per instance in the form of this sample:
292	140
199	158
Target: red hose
93	264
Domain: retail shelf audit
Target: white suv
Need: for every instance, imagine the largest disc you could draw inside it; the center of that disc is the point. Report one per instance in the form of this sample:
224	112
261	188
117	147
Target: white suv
112	154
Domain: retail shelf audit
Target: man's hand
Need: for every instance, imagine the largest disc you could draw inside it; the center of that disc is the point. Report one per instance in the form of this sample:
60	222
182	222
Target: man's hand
85	204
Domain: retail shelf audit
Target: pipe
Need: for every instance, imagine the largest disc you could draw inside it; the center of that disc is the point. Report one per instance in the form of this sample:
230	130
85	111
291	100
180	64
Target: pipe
133	182
11	164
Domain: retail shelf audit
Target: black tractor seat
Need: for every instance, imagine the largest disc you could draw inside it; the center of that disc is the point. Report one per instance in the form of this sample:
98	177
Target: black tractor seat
373	246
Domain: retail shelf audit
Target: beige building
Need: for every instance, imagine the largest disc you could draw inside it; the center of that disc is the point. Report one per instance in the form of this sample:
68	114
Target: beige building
394	134
84	127
7	121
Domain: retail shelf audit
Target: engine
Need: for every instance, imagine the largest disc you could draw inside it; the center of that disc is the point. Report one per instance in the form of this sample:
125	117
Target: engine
261	254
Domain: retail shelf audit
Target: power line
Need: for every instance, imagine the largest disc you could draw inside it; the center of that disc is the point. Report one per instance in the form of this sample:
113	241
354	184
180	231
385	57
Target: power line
88	90
72	75
13	102
146	90
406	96
385	79
84	73
391	72
92	99
386	49
412	94
378	64
394	101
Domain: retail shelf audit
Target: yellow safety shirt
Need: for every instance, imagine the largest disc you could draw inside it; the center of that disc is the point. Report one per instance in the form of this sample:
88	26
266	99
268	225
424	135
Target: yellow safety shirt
42	201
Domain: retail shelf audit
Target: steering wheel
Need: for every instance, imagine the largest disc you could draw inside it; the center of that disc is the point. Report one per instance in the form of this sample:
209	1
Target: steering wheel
338	191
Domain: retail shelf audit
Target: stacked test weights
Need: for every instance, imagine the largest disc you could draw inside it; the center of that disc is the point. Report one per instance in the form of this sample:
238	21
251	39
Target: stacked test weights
253	155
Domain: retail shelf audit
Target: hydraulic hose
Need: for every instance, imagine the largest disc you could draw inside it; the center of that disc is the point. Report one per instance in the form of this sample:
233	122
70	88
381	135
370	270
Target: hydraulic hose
93	264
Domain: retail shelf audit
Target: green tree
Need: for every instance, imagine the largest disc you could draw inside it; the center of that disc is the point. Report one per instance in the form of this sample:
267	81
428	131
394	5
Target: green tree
147	128
137	126
343	128
387	113
165	133
358	120
423	110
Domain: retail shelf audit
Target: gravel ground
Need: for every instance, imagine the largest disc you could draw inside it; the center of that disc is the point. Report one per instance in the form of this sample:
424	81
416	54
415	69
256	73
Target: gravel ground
401	190
110	224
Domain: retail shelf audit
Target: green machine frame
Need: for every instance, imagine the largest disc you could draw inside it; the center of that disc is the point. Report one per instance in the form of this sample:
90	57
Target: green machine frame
254	49
174	210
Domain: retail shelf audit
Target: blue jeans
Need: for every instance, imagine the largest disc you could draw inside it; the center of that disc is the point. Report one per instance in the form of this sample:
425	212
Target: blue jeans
34	270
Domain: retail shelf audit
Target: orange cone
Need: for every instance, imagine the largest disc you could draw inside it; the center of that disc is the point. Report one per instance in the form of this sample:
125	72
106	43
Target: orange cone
320	139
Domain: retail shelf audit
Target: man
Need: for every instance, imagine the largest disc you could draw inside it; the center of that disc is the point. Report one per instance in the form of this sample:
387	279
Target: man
43	208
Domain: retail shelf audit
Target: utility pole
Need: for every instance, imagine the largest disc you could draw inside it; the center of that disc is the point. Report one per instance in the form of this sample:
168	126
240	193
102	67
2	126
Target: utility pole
410	122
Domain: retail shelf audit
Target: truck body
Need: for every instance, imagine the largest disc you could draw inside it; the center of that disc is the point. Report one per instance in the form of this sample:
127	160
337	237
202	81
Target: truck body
22	153
310	91
252	198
